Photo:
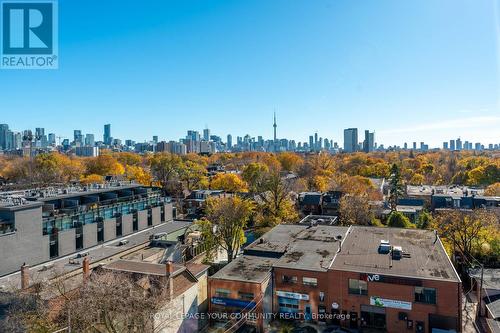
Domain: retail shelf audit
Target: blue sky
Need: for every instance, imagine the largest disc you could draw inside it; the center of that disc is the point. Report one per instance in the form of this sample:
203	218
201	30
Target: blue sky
410	70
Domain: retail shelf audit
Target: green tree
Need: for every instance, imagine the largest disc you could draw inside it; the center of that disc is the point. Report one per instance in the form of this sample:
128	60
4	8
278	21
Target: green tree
398	220
396	188
424	220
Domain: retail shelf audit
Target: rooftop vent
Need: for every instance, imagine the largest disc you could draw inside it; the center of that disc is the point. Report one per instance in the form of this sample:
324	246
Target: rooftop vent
384	247
397	252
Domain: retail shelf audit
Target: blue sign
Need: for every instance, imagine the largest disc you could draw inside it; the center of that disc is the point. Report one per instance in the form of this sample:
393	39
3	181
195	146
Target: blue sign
28	34
235	303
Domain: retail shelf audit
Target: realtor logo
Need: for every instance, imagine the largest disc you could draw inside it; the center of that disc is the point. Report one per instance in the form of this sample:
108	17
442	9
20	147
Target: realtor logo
29	34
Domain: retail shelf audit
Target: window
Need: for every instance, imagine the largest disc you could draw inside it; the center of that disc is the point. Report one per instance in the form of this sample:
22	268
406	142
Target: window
288	304
7	226
245	296
289	279
358	287
307	281
219	292
425	295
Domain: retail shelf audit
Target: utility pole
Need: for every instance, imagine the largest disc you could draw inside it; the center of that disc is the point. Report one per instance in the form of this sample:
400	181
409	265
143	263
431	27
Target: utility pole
480	296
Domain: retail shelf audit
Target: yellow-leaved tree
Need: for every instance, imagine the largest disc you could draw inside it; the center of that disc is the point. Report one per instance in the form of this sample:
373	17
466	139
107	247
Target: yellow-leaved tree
228	182
226	220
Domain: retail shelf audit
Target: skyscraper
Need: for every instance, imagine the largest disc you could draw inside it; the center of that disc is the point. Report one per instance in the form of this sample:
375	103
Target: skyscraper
229	141
193	135
206	134
4	129
77	136
39	133
350	140
369	143
275	138
52	138
452	144
107	134
89	140
458	144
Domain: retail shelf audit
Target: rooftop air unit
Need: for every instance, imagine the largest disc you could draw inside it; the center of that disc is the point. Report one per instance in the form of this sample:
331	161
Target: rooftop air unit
384	247
397	252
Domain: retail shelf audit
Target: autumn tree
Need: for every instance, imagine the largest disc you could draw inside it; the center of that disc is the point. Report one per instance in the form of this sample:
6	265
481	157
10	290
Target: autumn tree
316	171
104	165
254	174
25	312
138	174
355	210
274	203
165	167
92	179
194	175
47	169
226	220
112	302
467	231
128	158
354	186
228	182
290	162
493	190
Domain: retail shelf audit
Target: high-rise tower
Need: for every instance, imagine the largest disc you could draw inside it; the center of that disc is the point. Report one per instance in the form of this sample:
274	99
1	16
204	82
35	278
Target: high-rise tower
274	125
275	139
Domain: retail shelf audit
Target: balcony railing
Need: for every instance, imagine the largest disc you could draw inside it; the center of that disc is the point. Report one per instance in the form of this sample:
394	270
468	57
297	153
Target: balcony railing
99	213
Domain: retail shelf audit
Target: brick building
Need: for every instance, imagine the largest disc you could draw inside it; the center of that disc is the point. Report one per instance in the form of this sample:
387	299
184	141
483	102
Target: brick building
243	286
377	279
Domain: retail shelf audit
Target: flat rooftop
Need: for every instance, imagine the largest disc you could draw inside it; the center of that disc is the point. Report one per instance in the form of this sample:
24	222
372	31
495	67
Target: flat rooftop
299	246
491	277
424	255
103	253
313	248
32	197
90	191
141	267
277	239
246	268
319	219
453	190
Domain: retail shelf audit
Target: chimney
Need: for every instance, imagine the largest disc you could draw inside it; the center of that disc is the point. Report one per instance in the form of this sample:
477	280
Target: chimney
170	273
25	276
86	268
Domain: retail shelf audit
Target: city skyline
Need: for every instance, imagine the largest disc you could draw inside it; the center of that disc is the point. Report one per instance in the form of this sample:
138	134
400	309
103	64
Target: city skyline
12	139
392	74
